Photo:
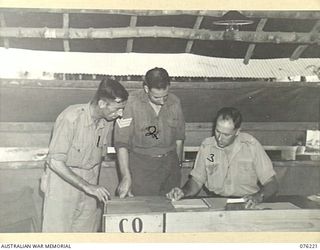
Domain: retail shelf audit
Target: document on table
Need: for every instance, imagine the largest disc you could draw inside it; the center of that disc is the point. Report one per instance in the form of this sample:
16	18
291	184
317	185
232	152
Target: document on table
190	203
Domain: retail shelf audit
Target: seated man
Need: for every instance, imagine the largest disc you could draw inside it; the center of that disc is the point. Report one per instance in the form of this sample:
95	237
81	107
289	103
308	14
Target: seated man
230	163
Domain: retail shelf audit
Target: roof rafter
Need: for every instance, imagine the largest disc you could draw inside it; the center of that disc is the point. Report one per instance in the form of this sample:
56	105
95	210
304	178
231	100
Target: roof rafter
196	26
66	45
252	46
133	23
300	49
155	31
2	25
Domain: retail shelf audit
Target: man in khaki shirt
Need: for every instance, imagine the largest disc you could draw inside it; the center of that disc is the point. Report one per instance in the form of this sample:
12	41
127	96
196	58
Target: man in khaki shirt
149	138
231	164
80	137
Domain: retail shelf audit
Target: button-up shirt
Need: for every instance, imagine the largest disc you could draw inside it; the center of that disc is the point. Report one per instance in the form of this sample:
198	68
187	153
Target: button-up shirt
235	173
77	139
143	131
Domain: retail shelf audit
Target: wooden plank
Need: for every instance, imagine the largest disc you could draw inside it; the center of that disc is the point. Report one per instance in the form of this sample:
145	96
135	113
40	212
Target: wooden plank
23	154
135	213
3	24
265	126
66	45
252	46
133	23
196	26
45	127
132	85
170	32
15	165
300	49
287	152
134	223
244	221
32	154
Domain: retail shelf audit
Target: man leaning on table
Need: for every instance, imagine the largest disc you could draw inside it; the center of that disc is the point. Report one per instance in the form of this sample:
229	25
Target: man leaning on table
149	138
80	138
230	164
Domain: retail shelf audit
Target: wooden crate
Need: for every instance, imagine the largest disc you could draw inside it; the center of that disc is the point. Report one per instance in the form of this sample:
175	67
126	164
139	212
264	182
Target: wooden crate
158	215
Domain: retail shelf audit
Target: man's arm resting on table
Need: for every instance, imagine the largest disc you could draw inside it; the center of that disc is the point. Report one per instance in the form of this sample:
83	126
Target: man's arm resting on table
124	188
268	190
69	176
190	188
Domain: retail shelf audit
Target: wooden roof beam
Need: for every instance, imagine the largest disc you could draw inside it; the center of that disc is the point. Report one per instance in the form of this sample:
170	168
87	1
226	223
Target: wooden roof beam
133	23
300	49
252	46
196	26
166	32
66	44
2	25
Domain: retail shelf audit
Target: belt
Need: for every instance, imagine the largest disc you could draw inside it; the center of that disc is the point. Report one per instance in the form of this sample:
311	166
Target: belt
158	156
153	155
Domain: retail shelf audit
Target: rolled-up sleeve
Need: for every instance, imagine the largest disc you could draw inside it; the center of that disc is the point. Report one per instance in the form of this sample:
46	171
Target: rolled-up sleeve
262	163
61	140
123	130
199	170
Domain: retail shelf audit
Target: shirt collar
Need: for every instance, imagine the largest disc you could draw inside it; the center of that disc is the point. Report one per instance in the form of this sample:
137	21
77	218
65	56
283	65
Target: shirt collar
89	121
145	98
235	144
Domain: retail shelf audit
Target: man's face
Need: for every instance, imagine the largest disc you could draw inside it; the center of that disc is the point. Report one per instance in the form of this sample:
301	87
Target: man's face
225	133
111	110
157	96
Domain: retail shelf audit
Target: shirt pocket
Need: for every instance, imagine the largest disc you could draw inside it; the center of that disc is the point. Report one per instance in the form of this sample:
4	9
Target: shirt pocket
211	168
214	176
170	131
76	154
247	174
173	123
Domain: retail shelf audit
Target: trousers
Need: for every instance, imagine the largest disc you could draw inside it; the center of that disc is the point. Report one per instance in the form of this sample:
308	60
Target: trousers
68	209
154	175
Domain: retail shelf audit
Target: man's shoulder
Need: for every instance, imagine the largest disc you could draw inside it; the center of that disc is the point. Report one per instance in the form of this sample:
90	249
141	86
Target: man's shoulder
247	138
72	112
173	98
208	141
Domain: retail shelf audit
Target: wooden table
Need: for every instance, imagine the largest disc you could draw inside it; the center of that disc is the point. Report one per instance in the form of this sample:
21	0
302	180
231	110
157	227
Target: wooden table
158	214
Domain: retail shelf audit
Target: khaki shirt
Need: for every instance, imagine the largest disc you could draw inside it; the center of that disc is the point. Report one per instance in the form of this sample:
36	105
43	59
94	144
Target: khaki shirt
77	140
236	174
143	131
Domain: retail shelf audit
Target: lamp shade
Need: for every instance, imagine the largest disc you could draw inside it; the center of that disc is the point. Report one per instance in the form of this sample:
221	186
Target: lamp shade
233	18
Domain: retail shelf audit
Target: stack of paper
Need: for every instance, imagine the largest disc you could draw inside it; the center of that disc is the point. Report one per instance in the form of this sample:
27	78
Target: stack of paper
189	203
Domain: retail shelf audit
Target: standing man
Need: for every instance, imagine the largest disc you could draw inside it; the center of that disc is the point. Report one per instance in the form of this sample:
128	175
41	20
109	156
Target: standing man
149	138
230	163
79	141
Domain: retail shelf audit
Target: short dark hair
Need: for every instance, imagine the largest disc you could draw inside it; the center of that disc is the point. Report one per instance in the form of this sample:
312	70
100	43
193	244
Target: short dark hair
230	113
110	90
157	78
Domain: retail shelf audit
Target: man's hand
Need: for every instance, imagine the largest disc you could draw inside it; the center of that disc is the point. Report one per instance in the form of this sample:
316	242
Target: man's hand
124	188
98	191
253	199
175	194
